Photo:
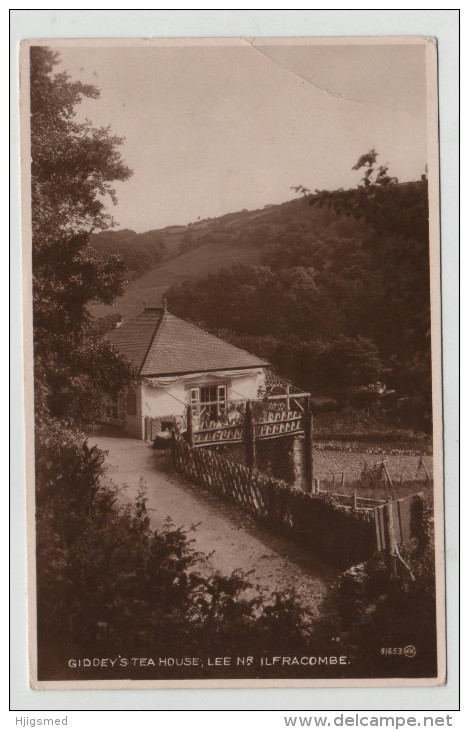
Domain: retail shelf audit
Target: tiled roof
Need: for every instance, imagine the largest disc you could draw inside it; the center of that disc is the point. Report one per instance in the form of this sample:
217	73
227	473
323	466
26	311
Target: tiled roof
158	343
133	338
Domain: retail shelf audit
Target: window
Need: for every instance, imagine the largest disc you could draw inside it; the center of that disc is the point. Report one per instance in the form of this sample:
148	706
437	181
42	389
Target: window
195	402
209	400
222	398
132	402
213	400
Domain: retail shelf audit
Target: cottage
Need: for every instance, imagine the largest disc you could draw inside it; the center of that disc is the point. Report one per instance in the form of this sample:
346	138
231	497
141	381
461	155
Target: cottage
177	364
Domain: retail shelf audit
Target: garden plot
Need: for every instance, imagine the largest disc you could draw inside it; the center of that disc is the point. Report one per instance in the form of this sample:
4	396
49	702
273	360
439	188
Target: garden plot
407	473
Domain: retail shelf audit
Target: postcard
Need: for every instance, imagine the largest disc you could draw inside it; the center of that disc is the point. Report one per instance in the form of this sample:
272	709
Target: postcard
232	346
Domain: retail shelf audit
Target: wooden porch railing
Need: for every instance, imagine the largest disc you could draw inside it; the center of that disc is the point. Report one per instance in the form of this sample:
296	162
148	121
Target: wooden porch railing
276	424
219	434
253	427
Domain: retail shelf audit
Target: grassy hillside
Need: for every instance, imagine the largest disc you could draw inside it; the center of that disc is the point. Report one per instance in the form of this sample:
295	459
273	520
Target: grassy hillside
191	252
191	265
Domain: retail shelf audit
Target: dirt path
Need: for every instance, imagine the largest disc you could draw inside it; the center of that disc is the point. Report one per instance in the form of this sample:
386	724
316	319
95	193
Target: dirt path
232	537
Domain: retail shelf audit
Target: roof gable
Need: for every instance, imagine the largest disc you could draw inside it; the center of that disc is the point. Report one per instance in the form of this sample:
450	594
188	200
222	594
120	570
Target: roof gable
158	343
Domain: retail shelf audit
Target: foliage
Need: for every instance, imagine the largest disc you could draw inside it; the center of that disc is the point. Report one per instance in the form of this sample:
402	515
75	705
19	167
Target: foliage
73	166
398	249
256	300
138	251
320	286
353	361
108	583
340	535
105	580
376	613
107	323
188	242
77	374
421	524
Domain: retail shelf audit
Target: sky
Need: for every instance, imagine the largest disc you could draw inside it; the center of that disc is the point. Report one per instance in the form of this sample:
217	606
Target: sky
212	128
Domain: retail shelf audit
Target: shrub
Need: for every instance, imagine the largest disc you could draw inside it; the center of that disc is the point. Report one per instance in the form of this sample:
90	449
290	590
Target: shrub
374	617
342	536
110	585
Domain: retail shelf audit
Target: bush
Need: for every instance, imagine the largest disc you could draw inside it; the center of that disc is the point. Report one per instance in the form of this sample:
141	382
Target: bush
341	535
335	532
109	585
374	617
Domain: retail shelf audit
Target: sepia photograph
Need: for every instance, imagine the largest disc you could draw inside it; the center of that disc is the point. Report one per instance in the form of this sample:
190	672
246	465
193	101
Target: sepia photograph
232	323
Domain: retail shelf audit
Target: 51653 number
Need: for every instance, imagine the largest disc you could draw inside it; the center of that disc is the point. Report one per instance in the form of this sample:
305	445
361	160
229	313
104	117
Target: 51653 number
409	651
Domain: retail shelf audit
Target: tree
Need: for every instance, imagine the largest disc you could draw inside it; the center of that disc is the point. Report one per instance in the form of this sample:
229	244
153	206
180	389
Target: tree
387	206
108	582
105	579
352	361
397	246
72	163
73	166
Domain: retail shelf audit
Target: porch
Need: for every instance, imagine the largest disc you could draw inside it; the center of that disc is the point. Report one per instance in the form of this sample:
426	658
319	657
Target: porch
281	411
274	424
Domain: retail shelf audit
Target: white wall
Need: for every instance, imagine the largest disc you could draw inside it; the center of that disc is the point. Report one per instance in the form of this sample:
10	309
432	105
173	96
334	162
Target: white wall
171	401
246	386
161	401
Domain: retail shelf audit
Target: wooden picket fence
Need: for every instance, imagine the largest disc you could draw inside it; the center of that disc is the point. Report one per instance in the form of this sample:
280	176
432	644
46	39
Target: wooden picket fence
344	534
229	479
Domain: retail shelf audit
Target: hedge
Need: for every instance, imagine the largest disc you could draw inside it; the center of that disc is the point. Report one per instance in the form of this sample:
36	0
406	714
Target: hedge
336	532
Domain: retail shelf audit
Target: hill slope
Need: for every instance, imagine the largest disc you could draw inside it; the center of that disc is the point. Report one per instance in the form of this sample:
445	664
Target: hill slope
191	252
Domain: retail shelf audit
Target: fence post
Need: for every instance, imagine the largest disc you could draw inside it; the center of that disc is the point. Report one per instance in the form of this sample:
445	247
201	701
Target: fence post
387	473
343	479
308	426
390	540
249	437
190	426
317	486
354	501
173	450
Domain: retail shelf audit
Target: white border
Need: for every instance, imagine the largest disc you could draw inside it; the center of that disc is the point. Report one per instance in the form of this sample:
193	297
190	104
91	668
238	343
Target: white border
82	23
